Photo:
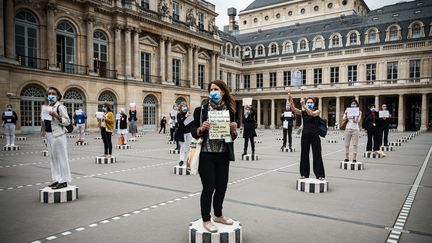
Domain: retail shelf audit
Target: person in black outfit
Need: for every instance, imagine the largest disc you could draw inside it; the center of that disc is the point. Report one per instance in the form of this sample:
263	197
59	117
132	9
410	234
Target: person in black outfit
215	155
287	124
183	134
310	137
371	123
163	124
384	128
249	125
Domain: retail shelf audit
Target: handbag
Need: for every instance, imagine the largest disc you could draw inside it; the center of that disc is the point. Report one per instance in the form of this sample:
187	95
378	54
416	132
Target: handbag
322	127
343	124
69	128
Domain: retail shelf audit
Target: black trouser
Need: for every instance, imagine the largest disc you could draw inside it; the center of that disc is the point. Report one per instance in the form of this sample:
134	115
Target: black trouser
383	132
251	139
172	134
373	139
163	127
308	140
106	137
289	130
213	170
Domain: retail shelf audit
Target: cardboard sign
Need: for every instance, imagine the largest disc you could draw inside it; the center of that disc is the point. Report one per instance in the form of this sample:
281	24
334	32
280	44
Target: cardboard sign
8	113
219	125
353	111
296	79
384	114
285	124
288	114
99	115
45	112
247	101
118	116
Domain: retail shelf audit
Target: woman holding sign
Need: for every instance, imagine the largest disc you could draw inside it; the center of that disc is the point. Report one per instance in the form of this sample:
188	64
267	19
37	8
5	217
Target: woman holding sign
183	134
287	118
249	124
133	129
55	119
310	137
215	123
352	115
106	124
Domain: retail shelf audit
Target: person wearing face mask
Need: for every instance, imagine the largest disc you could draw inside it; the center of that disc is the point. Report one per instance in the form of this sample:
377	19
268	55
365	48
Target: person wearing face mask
163	125
106	124
287	124
384	128
183	134
371	123
9	119
352	131
56	140
79	119
122	126
172	122
215	155
133	128
310	138
249	125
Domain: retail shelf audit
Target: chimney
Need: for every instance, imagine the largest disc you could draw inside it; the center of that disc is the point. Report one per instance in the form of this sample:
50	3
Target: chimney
232	13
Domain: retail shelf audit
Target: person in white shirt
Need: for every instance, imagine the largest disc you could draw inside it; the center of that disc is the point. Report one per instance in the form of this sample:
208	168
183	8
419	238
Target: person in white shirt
352	131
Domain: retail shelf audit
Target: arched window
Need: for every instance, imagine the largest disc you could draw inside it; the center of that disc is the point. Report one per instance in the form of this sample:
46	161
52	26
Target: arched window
32	98
228	49
73	99
179	100
353	39
150	112
273	49
416	31
66	47
100	52
237	51
318	43
247	53
372	37
260	51
335	41
107	96
393	33
303	46
27	39
288	47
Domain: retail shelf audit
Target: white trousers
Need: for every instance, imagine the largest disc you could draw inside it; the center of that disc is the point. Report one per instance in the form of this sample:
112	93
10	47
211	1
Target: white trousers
184	146
9	133
81	131
58	158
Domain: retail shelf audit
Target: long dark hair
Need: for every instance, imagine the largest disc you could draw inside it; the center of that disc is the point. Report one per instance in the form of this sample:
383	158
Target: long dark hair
227	98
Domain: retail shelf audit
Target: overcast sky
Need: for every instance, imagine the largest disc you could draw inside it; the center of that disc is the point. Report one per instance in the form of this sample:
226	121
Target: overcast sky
223	5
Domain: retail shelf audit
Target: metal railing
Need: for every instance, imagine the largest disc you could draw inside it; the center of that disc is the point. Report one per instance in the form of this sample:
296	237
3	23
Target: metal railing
33	62
388	83
182	83
151	79
72	68
106	73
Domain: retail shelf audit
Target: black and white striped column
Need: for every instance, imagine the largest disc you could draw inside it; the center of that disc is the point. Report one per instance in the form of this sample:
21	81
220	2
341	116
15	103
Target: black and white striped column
123	146
372	155
44	153
249	157
11	148
174	151
288	150
81	143
257	141
21	138
225	234
66	194
105	160
181	170
312	185
351	165
387	148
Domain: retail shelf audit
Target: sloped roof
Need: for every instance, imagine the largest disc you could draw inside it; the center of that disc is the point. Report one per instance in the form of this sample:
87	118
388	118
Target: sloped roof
264	3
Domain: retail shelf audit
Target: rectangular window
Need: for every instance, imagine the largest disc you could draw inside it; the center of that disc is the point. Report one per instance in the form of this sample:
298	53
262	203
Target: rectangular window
287	78
370	73
317	76
229	80
392	71
200	21
273	79
352	74
145	66
414	70
201	75
145	4
176	11
246	79
303	76
237	81
334	75
259	81
176	71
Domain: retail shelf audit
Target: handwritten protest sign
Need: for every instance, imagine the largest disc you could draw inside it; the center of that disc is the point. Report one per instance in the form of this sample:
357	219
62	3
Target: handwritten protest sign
219	125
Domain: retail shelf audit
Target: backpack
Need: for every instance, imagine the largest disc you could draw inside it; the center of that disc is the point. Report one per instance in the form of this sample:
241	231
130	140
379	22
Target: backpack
69	128
322	127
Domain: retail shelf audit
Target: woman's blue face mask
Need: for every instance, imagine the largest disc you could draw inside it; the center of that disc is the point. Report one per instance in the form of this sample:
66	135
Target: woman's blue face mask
52	98
310	105
215	96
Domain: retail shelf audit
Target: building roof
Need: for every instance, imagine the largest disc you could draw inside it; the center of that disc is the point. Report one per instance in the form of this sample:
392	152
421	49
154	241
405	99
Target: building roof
263	3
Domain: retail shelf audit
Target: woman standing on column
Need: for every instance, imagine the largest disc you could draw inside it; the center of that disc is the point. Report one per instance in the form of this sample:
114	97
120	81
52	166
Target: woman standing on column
56	140
287	118
107	127
122	126
133	128
183	134
371	124
215	154
9	119
310	137
249	133
352	131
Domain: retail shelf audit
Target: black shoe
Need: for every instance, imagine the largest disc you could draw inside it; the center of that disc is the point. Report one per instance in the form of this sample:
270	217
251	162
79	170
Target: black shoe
346	160
290	147
60	185
282	147
54	184
181	163
354	161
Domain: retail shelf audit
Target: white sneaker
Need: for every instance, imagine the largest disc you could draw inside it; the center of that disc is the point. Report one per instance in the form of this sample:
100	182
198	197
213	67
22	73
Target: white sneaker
210	227
12	145
7	145
223	220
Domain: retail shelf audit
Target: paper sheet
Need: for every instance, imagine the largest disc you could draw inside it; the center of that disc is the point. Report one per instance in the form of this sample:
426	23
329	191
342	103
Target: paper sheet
219	125
45	112
188	120
288	114
384	114
247	101
353	111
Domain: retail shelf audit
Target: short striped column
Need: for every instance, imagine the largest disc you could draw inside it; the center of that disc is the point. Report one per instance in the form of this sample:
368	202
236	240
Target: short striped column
401	140
372	155
225	234
66	194
132	139
288	150
123	146
21	138
181	170
81	143
71	136
312	185
395	144
387	148
11	148
279	139
105	160
257	141
44	153
171	142
351	165
249	157
174	151
332	141
297	136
